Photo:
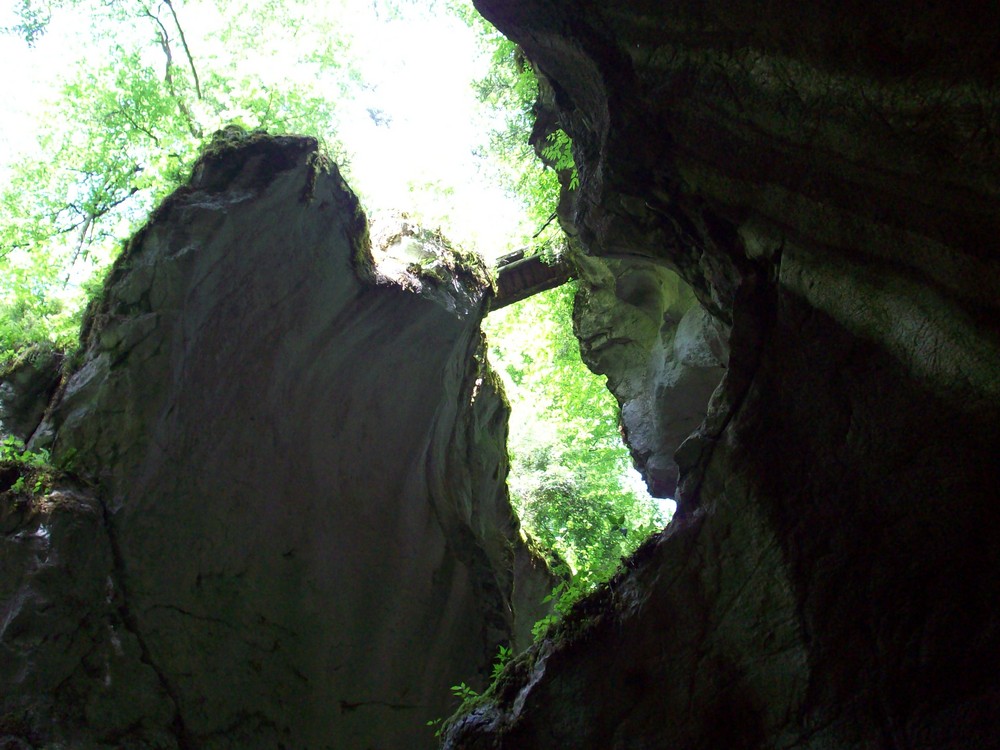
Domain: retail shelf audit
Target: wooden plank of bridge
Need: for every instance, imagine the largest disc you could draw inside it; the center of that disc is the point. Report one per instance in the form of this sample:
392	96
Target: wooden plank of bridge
522	277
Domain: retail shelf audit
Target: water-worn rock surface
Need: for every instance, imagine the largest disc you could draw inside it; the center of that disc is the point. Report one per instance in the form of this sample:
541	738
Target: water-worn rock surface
826	180
296	532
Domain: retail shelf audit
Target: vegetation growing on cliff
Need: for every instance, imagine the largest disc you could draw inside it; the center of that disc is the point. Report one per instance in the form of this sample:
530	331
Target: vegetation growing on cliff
23	472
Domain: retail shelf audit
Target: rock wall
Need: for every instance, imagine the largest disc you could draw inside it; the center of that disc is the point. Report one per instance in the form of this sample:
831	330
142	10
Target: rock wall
640	324
26	387
295	530
825	178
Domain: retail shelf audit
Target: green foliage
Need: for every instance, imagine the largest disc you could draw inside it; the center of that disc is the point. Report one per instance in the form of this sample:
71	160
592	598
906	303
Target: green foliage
466	695
567	593
570	472
34	467
30	309
11	449
558	152
509	91
463	692
541	627
571	481
503	657
438	725
33	20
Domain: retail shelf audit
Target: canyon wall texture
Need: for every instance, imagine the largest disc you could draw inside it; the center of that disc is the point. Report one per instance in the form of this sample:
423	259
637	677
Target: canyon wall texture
290	527
641	325
825	178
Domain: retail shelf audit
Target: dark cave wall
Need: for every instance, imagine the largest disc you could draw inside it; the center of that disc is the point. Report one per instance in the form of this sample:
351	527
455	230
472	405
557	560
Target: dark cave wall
825	178
885	509
691	123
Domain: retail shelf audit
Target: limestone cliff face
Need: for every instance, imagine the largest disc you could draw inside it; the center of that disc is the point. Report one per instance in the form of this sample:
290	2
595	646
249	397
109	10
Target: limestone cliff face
297	533
825	179
640	324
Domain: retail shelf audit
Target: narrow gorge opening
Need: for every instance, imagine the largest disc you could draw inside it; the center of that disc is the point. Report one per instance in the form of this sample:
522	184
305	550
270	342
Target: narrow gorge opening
572	480
259	499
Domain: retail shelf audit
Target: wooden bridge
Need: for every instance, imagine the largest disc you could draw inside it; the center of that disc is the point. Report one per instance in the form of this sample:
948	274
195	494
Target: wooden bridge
520	276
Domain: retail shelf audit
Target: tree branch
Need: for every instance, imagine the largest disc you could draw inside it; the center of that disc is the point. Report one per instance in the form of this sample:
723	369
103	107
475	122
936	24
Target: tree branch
544	226
87	225
187	50
168	76
141	128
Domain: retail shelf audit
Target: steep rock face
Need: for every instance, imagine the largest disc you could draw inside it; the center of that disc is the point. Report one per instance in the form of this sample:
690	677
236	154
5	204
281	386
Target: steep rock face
641	325
300	530
826	181
73	669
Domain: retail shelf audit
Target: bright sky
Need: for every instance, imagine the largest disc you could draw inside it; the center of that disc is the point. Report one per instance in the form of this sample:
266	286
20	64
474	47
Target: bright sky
26	80
421	70
418	71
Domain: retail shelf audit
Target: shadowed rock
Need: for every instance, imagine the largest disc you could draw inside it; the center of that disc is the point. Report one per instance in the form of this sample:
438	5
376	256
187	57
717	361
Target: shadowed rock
298	533
26	387
826	180
664	356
